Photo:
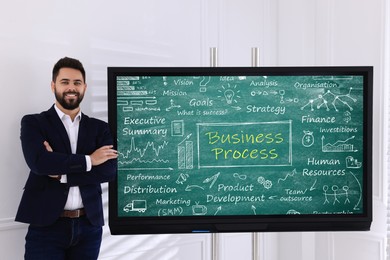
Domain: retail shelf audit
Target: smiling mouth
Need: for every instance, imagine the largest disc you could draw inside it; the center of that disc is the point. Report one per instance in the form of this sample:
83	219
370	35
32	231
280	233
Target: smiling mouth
71	95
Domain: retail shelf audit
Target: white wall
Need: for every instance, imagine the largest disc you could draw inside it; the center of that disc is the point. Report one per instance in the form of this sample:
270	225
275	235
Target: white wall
35	34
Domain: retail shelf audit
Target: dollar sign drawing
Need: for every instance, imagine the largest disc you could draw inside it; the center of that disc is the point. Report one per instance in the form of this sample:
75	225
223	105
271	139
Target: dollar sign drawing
307	139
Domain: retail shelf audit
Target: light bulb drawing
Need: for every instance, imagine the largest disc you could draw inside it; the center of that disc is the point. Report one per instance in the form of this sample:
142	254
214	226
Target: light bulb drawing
229	95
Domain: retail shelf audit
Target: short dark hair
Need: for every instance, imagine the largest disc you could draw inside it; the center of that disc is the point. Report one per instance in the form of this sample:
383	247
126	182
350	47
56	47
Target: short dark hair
67	62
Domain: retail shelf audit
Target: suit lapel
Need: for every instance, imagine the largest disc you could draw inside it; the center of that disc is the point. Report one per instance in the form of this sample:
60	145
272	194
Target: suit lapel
83	131
59	127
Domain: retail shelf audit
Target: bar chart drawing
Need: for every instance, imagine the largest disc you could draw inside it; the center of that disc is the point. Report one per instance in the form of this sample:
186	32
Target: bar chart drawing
339	146
185	154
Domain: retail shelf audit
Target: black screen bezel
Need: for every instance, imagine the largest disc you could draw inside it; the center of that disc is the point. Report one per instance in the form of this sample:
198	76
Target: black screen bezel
243	223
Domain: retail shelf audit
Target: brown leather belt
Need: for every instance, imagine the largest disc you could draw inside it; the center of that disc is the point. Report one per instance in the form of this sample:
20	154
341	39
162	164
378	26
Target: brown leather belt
72	213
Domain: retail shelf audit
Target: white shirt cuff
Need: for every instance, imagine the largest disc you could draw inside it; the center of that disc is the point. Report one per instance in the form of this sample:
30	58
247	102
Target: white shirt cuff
64	179
89	162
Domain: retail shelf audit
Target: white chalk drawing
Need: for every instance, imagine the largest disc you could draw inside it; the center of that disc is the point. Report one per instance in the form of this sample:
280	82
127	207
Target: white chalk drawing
136	205
360	191
313	187
281	93
325	189
177	128
346	188
254	209
330	77
142	161
130	95
256	93
137	154
352	163
146	169
283	100
183	177
218	210
330	98
290	174
239	176
129	103
266	183
335	189
205	81
141	151
335	193
212	179
199	210
185	154
308	138
339	146
347	117
293	212
192	187
172	105
261	180
230	95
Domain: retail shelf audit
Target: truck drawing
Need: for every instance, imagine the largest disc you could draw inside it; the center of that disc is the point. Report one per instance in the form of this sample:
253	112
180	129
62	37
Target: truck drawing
136	205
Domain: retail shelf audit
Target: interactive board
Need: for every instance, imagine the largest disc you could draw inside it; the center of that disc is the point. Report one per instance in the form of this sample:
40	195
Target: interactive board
241	149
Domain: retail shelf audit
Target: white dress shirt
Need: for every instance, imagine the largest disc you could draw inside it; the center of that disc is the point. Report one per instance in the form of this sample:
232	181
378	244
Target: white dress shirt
72	128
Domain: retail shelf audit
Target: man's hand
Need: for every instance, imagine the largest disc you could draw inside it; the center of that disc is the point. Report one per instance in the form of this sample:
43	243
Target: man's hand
103	154
49	149
47	146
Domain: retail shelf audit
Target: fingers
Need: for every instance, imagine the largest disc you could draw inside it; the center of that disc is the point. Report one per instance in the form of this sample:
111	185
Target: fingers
103	154
47	146
108	151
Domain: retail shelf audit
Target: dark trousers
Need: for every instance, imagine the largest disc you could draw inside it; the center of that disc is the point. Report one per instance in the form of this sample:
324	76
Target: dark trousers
66	239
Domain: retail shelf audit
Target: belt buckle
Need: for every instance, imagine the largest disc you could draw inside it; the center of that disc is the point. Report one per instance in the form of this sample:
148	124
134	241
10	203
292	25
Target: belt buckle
78	212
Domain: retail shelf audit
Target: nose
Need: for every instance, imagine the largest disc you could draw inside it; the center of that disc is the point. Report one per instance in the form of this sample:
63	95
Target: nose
73	86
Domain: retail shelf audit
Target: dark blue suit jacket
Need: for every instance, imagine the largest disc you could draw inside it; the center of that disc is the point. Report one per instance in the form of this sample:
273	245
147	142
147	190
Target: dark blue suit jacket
44	198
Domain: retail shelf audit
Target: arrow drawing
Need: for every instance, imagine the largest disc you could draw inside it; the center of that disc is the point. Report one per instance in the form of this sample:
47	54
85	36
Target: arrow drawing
186	138
212	179
218	210
254	209
191	187
288	175
312	186
360	197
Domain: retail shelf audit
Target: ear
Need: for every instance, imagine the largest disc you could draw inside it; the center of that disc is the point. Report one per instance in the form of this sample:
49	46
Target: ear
52	86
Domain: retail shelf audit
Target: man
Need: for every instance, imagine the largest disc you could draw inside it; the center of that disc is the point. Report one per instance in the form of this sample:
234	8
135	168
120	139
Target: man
69	155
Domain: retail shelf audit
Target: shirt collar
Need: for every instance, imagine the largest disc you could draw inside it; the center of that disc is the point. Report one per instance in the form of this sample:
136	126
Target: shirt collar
62	115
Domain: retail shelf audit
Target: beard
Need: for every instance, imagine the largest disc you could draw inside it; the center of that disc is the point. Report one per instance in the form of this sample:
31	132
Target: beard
69	103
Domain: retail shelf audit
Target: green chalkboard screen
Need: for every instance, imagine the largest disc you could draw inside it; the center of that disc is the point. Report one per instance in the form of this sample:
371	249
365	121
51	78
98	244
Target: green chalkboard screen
241	149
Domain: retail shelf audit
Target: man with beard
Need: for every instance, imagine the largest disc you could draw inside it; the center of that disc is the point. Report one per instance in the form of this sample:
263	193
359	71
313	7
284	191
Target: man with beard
69	155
